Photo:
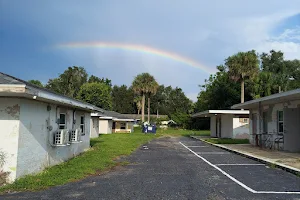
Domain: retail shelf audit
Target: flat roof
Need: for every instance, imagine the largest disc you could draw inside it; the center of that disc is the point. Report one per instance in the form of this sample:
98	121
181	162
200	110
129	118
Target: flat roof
208	113
272	99
112	115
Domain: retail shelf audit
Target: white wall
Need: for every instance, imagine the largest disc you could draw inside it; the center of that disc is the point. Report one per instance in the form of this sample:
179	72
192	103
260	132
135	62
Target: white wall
9	132
213	131
226	126
105	126
240	129
94	127
34	151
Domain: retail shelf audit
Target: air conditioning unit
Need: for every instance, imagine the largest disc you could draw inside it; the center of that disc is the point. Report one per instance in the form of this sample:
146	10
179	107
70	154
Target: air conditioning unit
60	138
75	136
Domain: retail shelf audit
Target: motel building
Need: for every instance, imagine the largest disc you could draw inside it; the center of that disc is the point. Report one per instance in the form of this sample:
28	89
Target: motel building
275	121
39	128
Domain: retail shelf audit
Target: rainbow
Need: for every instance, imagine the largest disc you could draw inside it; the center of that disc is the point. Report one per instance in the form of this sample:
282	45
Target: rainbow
139	49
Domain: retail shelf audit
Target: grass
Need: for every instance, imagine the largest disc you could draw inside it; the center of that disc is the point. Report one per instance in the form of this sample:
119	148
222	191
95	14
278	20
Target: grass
101	157
227	141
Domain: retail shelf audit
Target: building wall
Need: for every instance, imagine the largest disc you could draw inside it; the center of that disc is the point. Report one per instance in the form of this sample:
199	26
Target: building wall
9	126
117	129
272	126
105	126
35	150
240	129
226	126
213	130
109	127
94	127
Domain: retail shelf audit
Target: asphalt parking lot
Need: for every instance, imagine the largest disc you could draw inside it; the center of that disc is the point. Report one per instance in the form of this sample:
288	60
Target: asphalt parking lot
179	168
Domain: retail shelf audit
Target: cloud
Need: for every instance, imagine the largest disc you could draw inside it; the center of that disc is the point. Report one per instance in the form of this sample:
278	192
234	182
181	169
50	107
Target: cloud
205	31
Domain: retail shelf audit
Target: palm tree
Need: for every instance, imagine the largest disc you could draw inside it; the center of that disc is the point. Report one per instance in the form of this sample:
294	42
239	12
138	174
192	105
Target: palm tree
145	84
138	102
242	66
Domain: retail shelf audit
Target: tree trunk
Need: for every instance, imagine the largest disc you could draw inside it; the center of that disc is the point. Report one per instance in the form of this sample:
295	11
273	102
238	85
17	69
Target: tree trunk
242	91
149	109
143	108
279	89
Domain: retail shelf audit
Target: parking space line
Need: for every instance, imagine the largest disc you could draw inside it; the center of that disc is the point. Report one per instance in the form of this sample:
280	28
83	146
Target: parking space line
196	146
238	164
234	179
212	152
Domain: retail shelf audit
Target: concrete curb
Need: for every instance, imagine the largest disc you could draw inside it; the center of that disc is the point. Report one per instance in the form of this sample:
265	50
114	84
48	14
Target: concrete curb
255	157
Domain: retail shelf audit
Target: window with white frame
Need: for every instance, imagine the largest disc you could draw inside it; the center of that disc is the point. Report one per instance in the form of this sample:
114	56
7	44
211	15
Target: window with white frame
82	127
123	125
280	121
62	121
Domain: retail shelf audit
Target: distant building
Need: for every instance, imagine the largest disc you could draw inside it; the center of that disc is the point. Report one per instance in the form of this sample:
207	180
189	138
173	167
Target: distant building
39	128
111	122
227	123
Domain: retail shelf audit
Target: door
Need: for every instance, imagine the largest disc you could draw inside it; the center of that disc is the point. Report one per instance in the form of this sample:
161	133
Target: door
254	123
218	128
291	129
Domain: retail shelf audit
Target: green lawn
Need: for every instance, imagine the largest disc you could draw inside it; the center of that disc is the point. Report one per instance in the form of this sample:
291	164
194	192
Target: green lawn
99	158
227	141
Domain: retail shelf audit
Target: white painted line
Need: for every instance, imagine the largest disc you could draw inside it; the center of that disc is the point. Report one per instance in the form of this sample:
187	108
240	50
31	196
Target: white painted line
234	179
238	164
196	146
212	152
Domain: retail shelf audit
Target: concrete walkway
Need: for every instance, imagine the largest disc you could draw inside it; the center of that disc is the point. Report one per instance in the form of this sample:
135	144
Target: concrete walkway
285	160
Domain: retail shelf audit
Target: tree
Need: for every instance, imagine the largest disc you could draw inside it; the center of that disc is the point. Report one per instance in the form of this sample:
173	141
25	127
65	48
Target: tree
274	64
98	94
138	102
96	79
36	82
122	99
243	66
145	84
218	92
69	82
293	67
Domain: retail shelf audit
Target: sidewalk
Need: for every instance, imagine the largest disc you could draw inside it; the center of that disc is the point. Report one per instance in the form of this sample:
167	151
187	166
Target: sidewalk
284	160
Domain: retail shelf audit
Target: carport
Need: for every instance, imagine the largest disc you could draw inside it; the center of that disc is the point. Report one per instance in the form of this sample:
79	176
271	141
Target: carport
227	123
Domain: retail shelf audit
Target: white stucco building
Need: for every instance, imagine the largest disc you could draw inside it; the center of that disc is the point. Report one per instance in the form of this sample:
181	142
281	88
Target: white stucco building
39	128
227	123
275	120
111	122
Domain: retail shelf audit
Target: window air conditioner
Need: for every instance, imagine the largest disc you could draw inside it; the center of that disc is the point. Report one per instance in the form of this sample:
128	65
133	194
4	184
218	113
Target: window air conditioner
60	138
75	136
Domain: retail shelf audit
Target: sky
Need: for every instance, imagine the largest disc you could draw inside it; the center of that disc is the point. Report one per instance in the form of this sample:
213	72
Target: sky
179	42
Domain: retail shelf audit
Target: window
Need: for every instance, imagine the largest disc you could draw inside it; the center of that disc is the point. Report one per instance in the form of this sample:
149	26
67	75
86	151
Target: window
280	121
62	121
82	125
244	120
265	122
123	125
